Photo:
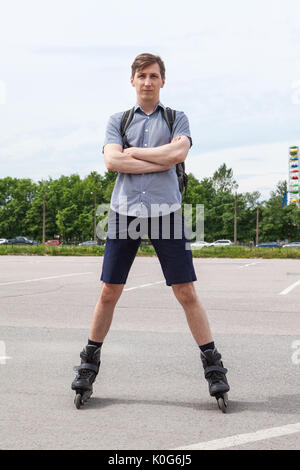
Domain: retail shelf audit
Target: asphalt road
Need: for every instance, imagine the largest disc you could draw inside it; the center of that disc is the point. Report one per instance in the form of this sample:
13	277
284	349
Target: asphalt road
150	393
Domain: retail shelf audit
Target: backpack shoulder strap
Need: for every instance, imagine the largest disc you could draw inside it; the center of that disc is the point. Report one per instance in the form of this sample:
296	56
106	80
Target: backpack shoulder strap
126	120
169	116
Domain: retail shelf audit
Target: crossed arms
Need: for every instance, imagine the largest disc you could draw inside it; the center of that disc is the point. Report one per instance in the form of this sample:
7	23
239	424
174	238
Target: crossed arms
138	160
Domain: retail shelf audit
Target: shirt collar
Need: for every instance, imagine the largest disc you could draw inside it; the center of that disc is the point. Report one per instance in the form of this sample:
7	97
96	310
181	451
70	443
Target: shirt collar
159	105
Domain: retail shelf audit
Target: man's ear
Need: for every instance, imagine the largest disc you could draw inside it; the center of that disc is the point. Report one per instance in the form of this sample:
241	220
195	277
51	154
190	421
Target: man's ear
131	81
163	83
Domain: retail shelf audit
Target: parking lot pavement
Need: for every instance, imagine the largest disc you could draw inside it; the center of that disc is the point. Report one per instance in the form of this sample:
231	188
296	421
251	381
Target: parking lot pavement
150	393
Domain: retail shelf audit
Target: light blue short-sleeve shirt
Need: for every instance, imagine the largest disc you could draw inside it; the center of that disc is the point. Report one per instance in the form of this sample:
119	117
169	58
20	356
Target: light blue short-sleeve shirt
149	194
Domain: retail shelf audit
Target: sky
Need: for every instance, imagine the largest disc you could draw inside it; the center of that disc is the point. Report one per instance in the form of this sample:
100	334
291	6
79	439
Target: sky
233	67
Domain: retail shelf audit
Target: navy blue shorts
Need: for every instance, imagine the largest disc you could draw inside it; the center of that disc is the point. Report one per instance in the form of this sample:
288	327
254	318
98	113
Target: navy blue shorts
167	236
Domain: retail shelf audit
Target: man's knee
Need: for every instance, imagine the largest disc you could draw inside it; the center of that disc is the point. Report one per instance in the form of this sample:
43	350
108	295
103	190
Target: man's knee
110	293
185	293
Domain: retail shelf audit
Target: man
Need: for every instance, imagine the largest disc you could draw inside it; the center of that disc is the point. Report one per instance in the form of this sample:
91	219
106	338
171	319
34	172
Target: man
147	192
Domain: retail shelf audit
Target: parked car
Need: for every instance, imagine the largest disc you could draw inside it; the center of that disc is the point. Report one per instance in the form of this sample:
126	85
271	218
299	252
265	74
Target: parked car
52	242
19	241
88	243
291	245
268	245
3	241
221	243
199	244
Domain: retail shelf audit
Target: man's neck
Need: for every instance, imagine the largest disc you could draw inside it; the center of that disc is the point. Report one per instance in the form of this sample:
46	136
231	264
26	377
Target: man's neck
148	107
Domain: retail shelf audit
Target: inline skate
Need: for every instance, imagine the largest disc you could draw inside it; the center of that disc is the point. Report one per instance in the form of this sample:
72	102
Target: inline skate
86	374
215	374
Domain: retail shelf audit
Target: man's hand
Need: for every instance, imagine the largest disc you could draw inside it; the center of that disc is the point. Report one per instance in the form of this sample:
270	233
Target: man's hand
177	139
131	151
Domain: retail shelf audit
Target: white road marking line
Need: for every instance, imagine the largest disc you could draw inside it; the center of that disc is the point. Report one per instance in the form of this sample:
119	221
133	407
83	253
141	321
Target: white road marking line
3	356
3	359
290	288
144	285
43	278
241	439
250	264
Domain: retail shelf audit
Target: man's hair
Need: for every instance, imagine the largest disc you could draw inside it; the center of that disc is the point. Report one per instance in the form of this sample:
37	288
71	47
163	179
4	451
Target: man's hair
144	60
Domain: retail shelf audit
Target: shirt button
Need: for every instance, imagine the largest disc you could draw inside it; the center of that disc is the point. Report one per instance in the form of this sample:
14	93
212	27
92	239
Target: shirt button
146	130
144	192
145	145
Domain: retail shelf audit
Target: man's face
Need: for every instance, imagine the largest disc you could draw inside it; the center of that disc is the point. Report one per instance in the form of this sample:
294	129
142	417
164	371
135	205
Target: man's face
148	83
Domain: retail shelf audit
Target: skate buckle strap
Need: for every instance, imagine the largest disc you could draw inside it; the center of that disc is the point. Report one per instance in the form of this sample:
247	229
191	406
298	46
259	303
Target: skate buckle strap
215	368
87	365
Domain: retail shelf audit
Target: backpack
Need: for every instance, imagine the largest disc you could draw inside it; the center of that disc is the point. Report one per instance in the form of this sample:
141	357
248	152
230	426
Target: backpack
169	116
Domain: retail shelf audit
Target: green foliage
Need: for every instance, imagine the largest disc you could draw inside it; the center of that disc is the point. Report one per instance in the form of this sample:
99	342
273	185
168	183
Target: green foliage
63	250
277	222
246	252
211	252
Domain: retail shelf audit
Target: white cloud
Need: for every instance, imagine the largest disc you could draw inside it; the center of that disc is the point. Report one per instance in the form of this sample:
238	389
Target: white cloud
28	146
40	156
255	167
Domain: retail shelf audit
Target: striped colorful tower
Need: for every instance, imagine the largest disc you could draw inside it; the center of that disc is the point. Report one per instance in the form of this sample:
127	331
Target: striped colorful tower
293	183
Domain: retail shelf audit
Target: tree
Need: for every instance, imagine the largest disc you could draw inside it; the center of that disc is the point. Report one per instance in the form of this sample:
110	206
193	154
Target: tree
85	225
66	222
16	197
108	184
223	179
279	223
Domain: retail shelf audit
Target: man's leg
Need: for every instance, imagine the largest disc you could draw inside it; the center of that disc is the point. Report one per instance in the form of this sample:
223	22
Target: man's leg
90	355
120	252
214	371
195	313
104	309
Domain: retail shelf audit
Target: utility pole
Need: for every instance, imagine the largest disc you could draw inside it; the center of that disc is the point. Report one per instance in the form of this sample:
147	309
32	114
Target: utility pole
235	220
257	223
95	219
44	218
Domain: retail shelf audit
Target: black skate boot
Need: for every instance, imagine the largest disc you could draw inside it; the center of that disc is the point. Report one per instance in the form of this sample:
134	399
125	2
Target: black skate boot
215	374
87	373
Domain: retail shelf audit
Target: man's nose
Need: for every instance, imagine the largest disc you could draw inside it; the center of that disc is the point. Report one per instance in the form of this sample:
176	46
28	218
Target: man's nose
148	81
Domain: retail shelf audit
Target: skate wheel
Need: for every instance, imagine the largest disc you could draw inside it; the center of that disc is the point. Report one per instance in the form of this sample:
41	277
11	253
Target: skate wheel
78	401
223	403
